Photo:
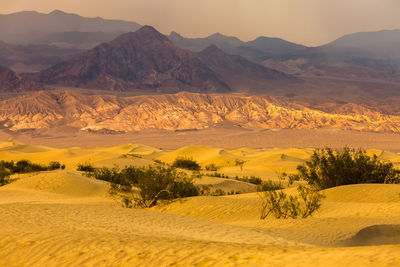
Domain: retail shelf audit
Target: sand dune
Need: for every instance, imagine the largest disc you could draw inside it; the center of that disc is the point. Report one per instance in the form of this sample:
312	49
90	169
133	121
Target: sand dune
61	218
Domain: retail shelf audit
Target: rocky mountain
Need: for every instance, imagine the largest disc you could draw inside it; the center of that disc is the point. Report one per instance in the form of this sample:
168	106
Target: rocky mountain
371	55
12	82
30	27
241	74
182	111
256	50
144	59
32	58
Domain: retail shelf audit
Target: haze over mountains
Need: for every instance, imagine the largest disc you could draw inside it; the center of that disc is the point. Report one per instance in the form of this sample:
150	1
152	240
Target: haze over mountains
146	59
31	27
369	55
358	68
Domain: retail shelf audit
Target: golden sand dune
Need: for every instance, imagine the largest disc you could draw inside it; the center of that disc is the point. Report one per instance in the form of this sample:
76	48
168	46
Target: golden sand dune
61	218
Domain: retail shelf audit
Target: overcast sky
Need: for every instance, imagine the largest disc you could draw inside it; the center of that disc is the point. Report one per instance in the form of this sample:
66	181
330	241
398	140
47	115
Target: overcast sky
310	22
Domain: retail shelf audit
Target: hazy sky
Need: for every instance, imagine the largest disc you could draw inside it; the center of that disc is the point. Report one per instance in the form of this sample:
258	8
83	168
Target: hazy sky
310	22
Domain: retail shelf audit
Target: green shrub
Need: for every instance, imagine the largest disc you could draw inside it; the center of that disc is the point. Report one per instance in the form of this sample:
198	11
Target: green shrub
328	168
186	163
282	206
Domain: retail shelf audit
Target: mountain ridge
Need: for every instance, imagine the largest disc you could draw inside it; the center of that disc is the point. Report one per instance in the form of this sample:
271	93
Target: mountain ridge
182	111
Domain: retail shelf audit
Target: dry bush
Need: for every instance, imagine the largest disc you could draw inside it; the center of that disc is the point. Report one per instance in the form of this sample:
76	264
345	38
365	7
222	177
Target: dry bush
282	206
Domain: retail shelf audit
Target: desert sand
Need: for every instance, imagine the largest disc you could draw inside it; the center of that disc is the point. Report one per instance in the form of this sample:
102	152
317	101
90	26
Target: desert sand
62	218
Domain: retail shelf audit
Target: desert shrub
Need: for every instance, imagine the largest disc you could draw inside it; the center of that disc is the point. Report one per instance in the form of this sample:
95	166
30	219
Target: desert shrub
282	206
218	175
240	163
155	184
211	167
252	180
328	168
186	163
4	176
205	190
22	166
85	167
110	175
157	161
54	165
269	186
219	192
163	183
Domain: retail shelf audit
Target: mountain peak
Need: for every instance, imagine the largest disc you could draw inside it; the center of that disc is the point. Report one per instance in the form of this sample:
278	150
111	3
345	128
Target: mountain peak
57	12
145	33
148	29
175	35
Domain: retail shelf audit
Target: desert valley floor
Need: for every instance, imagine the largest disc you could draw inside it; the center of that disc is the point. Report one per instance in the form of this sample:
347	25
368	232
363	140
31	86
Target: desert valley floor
62	218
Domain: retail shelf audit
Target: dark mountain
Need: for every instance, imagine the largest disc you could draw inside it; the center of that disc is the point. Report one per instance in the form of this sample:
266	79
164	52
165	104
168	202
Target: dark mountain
199	44
144	59
31	58
380	43
30	27
241	74
274	46
12	82
373	55
256	50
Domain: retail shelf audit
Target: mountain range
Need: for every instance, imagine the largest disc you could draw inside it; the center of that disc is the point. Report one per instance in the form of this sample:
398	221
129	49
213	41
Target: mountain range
256	50
351	83
182	111
366	56
31	27
146	59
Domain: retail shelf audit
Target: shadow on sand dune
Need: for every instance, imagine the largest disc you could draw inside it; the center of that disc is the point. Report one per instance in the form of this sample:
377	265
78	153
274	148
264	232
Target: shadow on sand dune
385	234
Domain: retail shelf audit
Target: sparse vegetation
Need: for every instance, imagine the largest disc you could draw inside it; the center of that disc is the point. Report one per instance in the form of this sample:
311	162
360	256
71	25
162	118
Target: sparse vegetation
85	167
211	167
328	168
4	176
252	179
8	168
240	163
156	184
282	206
269	186
218	175
55	165
186	163
218	192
